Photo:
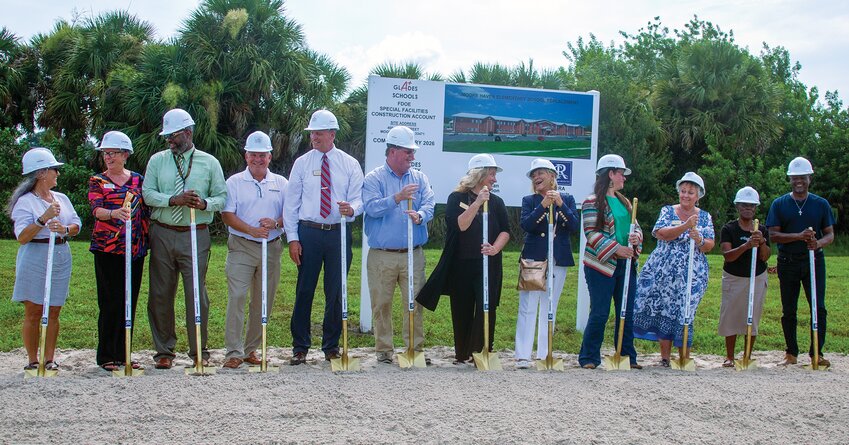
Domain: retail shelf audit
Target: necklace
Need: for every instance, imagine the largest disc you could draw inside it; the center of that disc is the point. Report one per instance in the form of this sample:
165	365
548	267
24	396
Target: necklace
800	207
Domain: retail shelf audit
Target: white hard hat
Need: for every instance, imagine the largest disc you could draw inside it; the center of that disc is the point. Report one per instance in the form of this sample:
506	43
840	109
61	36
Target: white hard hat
38	158
258	142
175	120
323	120
402	137
747	195
611	161
695	179
483	160
116	139
800	166
541	163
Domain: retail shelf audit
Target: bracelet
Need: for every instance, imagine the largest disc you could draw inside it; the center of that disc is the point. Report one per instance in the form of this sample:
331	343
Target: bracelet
111	213
702	242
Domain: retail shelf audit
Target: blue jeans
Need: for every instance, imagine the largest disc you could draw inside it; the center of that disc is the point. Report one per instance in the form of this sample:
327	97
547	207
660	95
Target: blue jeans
319	247
602	289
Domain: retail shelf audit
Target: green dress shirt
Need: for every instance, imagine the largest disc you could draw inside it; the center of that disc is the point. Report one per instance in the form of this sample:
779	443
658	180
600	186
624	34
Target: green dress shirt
205	177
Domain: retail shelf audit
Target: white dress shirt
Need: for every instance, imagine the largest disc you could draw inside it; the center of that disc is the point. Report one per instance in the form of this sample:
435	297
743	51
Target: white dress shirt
250	200
303	196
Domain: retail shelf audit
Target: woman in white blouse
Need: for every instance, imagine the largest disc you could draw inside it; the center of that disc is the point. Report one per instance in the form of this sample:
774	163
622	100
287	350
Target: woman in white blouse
36	211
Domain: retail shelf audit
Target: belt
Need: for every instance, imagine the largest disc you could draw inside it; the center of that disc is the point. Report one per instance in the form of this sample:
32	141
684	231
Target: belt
259	242
59	240
318	226
404	250
180	228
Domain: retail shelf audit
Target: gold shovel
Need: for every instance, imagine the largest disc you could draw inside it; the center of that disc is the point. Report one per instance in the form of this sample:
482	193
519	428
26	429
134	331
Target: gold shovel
411	358
549	362
263	366
198	369
486	360
746	363
128	370
684	362
41	371
815	362
616	362
344	363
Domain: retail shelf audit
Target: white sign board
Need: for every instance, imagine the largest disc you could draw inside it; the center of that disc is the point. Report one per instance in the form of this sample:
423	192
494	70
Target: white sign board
453	122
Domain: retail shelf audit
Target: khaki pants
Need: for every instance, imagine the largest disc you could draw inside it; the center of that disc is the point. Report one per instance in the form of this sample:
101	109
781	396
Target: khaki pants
386	270
244	273
170	259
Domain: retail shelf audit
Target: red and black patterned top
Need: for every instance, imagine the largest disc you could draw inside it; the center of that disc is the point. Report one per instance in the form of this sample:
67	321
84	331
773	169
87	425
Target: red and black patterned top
108	236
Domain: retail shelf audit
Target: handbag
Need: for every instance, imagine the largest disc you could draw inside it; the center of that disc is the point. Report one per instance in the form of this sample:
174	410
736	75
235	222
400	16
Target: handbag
532	274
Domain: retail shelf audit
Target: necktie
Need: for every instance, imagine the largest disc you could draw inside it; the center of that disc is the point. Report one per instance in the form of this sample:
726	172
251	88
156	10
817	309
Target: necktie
179	185
325	187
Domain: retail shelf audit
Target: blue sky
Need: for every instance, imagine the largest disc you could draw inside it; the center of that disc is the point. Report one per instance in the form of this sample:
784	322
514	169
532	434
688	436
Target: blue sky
446	36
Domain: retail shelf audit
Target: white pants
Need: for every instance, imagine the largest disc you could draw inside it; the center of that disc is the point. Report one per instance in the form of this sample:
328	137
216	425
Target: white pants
534	305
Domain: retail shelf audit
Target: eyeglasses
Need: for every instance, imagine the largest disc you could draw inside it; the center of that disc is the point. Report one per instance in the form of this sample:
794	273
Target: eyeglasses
55	169
173	135
109	154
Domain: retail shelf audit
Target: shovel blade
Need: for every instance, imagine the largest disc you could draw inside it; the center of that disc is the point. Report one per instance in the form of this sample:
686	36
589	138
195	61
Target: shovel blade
345	363
127	372
683	364
412	359
30	373
258	368
486	361
200	370
550	364
811	367
745	364
616	363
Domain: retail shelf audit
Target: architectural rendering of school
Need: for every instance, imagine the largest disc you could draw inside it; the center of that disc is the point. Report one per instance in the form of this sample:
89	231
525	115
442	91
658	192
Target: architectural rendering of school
470	123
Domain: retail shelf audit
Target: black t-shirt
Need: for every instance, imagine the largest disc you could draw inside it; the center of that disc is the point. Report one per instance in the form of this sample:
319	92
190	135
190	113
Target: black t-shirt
469	242
732	233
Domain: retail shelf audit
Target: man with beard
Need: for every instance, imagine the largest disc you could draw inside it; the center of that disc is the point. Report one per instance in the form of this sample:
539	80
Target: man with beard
176	180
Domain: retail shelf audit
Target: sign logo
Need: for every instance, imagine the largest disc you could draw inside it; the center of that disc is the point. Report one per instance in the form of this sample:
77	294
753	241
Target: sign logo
406	86
564	172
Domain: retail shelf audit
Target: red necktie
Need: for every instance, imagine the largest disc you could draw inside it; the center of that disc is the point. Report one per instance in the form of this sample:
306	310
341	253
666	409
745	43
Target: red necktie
325	187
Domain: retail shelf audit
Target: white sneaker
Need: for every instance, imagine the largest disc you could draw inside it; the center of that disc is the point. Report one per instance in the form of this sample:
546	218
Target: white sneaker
523	364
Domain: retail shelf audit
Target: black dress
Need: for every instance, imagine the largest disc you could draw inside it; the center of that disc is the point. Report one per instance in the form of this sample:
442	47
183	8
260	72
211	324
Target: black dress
459	273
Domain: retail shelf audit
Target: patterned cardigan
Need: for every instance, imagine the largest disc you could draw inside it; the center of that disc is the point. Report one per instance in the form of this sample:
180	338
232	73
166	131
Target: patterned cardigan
602	244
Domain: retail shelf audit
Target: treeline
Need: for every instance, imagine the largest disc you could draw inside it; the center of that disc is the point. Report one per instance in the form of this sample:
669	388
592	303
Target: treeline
671	100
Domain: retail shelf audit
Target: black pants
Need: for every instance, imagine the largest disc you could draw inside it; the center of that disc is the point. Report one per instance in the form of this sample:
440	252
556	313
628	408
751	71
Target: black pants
109	273
795	271
467	309
319	248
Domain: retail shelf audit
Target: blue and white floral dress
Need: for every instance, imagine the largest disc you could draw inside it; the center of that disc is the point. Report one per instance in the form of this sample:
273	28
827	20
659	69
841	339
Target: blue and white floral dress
662	283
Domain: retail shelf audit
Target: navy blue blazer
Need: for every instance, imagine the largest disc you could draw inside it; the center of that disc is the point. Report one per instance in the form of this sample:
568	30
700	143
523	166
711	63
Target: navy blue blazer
534	222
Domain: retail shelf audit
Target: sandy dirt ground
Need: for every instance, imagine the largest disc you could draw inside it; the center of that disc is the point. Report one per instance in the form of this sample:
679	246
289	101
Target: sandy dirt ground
442	403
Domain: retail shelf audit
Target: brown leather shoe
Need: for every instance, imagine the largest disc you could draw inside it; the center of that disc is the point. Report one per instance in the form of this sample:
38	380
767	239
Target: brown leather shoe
589	366
789	359
233	363
636	366
298	358
330	355
164	363
204	361
823	362
253	358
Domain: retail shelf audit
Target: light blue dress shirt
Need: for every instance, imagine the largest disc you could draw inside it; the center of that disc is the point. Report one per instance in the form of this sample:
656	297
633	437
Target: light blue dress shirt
385	222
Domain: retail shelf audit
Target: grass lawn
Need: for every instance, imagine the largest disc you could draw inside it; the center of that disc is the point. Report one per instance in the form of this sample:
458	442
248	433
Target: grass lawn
577	149
79	317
